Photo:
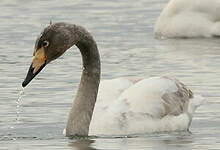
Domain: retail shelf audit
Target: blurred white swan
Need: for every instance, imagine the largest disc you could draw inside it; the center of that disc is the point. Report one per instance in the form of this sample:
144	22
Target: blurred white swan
189	18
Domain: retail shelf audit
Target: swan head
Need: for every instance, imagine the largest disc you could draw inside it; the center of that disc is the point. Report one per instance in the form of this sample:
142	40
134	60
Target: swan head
51	44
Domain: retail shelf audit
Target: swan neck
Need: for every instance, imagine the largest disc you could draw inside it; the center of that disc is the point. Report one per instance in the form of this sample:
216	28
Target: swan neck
82	109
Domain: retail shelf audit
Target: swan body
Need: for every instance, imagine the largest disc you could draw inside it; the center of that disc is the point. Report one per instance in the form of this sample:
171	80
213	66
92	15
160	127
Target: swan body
189	18
119	106
125	106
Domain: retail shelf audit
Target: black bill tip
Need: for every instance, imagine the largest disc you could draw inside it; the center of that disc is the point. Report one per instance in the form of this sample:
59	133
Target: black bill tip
24	83
31	75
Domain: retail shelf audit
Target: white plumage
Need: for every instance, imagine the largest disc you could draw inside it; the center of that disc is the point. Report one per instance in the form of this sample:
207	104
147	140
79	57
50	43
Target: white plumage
126	106
189	18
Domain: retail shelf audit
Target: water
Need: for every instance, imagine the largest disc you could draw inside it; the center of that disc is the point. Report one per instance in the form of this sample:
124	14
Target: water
123	31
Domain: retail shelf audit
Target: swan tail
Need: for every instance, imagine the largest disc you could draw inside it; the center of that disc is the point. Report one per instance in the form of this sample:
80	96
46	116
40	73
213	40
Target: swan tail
194	103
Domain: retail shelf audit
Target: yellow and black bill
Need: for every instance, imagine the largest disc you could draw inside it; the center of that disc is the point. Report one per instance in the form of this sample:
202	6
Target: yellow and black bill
38	63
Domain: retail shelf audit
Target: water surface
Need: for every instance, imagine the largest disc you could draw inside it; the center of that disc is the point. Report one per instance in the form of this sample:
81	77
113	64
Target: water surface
124	34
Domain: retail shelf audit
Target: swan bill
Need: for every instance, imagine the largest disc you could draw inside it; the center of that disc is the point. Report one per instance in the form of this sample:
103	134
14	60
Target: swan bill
38	63
31	74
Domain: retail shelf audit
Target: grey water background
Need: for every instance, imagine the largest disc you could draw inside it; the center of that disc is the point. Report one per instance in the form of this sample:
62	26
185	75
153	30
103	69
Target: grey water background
123	30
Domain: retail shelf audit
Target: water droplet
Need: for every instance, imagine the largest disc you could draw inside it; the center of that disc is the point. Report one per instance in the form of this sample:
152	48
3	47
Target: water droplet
18	110
18	104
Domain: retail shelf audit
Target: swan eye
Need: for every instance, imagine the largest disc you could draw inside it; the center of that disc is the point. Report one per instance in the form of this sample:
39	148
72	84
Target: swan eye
45	43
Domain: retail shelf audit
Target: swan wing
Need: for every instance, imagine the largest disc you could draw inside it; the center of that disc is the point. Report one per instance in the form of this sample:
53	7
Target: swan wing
158	97
149	105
